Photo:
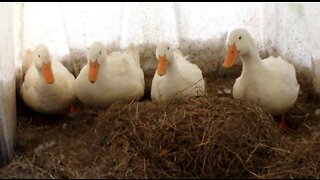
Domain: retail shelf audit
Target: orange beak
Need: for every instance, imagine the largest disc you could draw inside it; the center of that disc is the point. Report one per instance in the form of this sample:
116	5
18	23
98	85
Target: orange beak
231	56
162	65
93	71
47	73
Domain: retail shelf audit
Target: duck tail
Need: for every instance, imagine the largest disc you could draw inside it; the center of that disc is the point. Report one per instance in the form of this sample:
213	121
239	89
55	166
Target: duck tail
132	49
26	60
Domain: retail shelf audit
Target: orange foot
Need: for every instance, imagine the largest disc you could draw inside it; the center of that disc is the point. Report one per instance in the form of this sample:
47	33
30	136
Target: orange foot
38	120
41	119
73	110
282	125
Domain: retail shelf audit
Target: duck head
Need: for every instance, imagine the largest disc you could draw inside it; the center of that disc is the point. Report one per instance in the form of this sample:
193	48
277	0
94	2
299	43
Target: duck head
42	61
239	43
165	57
96	57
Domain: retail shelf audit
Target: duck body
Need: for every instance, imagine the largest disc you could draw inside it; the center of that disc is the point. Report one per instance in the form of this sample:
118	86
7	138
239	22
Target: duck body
270	83
120	78
182	79
44	97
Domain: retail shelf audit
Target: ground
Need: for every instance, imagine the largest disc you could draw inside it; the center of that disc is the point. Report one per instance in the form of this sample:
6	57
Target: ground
215	136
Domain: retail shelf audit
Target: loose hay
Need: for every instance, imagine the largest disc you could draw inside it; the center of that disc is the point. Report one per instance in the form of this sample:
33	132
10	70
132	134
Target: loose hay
206	137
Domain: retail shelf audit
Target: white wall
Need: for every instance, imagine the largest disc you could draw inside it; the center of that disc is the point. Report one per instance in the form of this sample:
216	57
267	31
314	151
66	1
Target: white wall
68	29
199	29
297	31
291	30
7	84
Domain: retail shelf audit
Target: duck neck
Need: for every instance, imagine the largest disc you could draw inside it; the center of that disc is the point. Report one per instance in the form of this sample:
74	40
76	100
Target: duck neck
251	60
172	67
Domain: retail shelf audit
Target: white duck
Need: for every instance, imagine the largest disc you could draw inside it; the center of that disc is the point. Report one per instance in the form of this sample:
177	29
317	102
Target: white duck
108	79
271	83
175	77
48	85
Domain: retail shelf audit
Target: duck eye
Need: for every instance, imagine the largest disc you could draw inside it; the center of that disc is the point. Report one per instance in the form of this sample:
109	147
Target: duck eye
239	37
99	52
39	55
168	48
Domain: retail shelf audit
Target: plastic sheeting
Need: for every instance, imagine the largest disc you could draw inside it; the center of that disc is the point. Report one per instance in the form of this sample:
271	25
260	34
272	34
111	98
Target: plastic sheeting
7	84
199	29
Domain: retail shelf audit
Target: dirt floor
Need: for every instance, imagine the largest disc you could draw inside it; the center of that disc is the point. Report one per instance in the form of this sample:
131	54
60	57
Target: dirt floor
206	137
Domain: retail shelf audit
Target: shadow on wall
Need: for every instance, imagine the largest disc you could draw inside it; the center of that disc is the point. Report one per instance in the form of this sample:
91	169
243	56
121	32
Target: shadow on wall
315	64
79	57
208	55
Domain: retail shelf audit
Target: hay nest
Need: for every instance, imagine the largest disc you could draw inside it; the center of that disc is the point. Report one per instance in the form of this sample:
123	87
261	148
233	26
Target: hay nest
205	137
199	138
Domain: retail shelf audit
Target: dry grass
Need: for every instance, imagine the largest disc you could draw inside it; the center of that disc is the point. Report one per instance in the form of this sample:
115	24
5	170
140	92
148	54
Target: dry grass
207	137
